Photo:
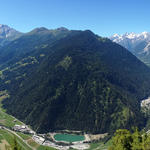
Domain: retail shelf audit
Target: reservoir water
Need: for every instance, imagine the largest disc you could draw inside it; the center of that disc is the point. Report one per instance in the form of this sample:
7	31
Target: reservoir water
68	137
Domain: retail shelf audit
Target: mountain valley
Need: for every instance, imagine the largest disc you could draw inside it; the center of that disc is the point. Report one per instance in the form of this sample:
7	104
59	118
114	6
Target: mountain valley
62	79
71	71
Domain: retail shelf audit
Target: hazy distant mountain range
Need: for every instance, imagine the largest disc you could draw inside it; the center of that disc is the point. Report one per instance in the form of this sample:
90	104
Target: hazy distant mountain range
7	34
138	44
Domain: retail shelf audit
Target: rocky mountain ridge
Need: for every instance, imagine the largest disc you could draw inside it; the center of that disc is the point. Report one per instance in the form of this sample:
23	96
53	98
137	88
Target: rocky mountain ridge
8	34
137	43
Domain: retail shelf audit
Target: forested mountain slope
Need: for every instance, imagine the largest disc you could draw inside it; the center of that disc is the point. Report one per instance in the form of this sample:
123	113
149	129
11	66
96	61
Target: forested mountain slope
76	81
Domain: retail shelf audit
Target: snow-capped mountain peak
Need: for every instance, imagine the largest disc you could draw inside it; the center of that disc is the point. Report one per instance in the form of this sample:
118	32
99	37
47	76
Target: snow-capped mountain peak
137	43
7	34
130	40
131	36
6	31
115	35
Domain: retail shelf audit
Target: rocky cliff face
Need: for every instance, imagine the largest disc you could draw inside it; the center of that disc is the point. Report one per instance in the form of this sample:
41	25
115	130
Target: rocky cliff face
7	34
138	44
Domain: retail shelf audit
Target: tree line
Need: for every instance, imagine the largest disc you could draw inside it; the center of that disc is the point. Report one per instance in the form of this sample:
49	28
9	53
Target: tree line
127	140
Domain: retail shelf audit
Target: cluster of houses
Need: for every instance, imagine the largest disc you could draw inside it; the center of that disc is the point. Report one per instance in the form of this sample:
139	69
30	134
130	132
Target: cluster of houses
42	141
38	139
23	129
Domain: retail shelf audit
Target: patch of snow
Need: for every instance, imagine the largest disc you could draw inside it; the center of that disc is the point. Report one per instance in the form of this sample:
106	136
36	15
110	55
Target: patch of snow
132	40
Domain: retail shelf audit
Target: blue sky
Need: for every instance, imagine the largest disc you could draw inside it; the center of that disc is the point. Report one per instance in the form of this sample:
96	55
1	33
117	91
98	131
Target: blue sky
103	17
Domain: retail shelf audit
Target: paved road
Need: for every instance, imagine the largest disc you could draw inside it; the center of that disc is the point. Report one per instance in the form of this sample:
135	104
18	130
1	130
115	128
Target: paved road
19	137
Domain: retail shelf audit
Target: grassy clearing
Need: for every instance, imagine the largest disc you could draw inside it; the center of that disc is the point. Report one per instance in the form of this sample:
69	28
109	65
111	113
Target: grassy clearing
94	146
45	148
39	147
100	145
4	145
32	143
24	136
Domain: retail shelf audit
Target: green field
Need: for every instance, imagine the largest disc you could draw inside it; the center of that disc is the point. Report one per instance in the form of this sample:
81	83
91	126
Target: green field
45	148
24	136
7	138
100	145
69	137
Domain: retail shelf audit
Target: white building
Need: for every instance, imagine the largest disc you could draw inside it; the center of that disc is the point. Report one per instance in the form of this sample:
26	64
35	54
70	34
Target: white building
38	139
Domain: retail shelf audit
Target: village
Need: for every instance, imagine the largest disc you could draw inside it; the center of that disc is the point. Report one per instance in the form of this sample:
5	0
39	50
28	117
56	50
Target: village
41	140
